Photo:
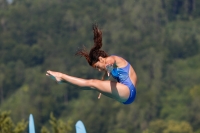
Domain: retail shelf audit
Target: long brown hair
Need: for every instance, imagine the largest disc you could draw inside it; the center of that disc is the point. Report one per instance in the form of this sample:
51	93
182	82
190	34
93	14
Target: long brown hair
95	52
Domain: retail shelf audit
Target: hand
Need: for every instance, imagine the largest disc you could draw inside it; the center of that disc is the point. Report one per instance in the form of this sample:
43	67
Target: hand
109	68
108	74
99	96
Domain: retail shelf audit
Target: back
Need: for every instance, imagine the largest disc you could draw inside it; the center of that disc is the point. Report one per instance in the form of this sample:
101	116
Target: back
120	62
132	75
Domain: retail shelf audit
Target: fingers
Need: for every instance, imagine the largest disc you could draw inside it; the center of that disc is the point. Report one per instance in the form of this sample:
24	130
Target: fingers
99	96
109	67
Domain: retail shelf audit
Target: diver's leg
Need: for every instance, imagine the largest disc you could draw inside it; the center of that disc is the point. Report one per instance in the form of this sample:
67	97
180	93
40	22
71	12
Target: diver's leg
111	89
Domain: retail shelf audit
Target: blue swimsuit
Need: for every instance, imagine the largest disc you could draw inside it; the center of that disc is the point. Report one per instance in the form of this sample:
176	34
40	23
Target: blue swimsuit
122	76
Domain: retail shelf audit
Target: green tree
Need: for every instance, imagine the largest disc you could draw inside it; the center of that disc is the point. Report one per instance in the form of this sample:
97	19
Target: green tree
58	126
7	125
171	126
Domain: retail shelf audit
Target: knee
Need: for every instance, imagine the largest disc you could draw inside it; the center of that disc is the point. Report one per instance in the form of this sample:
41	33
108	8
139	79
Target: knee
92	83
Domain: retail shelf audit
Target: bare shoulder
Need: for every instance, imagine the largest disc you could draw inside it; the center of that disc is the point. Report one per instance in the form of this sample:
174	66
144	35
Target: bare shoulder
120	62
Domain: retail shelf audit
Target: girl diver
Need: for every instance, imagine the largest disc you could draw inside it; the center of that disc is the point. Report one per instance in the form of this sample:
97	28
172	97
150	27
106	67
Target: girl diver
123	89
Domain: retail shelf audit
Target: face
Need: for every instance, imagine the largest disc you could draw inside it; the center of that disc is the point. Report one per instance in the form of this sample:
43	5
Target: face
100	65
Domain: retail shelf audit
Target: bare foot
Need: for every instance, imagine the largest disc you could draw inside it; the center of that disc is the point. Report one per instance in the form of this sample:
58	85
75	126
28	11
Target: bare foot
57	76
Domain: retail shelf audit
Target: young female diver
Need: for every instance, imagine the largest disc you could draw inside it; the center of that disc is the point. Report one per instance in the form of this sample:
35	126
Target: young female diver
122	90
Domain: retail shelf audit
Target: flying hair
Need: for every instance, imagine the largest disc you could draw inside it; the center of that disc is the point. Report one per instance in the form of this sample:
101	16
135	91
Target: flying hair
83	52
95	52
97	38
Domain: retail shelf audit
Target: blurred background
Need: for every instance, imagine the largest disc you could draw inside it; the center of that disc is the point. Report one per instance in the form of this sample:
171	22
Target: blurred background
160	38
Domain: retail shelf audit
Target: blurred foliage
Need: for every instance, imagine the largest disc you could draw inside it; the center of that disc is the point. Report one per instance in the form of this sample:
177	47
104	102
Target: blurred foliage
58	126
7	125
160	38
160	126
